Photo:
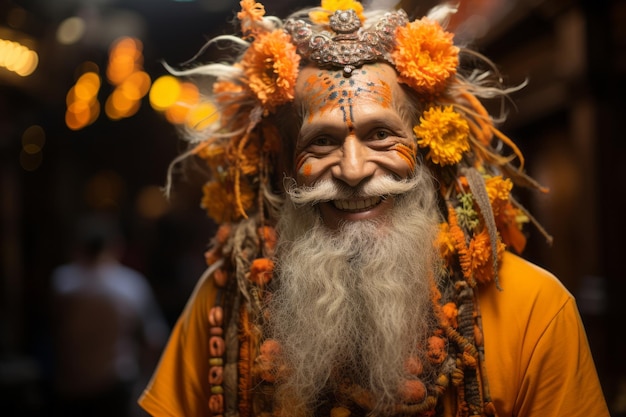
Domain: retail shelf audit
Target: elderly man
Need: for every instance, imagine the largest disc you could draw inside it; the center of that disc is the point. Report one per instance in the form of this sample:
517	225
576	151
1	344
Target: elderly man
363	265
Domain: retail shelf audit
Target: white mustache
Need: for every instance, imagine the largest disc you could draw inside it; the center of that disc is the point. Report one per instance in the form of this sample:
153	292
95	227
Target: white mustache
328	190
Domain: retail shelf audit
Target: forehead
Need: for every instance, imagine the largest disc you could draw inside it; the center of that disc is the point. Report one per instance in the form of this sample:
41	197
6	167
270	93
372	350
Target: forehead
319	90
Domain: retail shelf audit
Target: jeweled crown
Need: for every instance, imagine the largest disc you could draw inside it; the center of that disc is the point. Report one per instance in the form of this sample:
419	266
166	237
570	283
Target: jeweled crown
347	44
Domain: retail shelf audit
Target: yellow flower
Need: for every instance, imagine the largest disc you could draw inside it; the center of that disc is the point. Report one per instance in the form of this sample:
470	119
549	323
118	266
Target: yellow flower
425	56
219	200
445	132
251	12
331	6
499	190
271	67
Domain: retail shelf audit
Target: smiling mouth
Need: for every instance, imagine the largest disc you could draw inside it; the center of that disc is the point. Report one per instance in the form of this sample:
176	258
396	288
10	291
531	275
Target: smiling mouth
357	205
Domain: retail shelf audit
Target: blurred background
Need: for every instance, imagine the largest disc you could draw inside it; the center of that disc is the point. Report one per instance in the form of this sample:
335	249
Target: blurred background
88	124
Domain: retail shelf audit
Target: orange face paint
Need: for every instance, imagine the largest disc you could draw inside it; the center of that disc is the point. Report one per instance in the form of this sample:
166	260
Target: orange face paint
306	170
300	162
407	153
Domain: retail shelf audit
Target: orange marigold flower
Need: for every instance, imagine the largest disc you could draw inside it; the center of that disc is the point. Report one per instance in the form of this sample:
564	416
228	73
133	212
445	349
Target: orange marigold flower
482	257
252	10
425	56
445	132
499	191
331	6
251	13
445	241
271	68
261	271
219	200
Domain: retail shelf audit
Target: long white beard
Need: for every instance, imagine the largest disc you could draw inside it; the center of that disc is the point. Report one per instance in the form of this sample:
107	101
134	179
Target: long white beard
353	303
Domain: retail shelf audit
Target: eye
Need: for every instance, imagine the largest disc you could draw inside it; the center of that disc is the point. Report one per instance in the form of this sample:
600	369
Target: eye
381	134
321	141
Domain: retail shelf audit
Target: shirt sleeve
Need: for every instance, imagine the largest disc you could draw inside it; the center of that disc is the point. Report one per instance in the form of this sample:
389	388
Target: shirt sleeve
178	387
537	357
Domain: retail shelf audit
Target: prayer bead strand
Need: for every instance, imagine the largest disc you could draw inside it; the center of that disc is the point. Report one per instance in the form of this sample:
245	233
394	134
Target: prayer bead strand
217	346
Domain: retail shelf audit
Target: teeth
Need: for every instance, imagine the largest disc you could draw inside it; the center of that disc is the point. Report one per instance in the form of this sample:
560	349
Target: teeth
356	205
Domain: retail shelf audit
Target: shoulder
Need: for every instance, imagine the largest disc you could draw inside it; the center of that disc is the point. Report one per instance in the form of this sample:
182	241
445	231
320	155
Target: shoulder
525	287
530	299
517	317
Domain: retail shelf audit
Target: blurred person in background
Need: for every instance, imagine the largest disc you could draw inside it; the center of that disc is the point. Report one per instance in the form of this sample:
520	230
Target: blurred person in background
108	328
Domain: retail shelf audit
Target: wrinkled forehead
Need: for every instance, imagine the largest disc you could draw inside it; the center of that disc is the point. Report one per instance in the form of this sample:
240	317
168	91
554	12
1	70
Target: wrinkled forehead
321	90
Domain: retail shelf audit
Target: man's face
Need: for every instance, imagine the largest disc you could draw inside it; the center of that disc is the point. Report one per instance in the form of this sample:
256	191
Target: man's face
352	132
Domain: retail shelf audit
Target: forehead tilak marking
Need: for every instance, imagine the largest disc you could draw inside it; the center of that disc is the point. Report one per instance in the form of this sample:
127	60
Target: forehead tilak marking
326	91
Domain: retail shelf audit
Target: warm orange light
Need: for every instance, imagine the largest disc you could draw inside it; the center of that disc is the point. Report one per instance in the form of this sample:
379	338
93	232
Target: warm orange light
188	98
136	86
164	92
18	58
202	116
87	86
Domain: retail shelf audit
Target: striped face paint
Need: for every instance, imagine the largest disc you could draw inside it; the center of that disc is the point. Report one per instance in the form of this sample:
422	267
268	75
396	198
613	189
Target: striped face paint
408	154
328	90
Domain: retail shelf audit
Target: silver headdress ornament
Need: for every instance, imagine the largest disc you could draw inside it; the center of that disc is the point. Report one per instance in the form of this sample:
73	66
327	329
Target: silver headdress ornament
350	45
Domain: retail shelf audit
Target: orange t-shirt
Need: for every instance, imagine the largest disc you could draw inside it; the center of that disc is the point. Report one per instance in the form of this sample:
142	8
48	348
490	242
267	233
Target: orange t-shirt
536	352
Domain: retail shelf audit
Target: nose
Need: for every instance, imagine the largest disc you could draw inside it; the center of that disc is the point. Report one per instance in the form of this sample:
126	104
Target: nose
354	166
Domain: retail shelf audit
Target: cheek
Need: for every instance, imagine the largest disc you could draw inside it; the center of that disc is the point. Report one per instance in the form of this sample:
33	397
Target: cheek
406	155
303	167
310	170
304	172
